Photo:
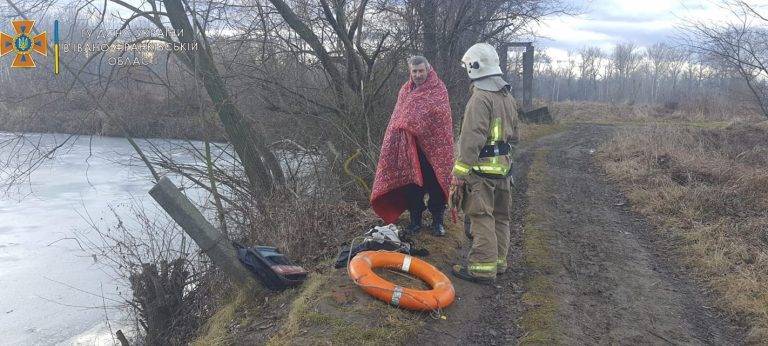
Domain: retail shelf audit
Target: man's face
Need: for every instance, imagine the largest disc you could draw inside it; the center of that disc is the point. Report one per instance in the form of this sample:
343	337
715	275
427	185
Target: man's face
418	73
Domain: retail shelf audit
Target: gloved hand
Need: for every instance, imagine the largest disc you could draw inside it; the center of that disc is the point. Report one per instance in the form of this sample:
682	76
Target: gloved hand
456	196
456	193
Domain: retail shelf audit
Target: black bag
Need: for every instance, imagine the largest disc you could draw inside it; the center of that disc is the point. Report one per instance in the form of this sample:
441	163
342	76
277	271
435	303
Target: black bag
272	268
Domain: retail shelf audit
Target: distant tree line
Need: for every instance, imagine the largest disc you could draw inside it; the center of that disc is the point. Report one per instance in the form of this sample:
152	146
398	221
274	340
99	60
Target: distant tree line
710	65
661	73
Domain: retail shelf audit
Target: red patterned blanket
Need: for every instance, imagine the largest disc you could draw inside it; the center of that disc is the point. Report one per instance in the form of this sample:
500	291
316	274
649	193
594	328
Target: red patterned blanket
422	117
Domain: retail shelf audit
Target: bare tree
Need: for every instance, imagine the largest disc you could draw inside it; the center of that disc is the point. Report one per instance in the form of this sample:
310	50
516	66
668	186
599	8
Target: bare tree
626	61
741	44
659	56
360	48
448	28
589	68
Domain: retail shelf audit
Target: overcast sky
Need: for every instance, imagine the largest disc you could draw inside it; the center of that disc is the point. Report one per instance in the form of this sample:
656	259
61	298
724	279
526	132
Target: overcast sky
606	22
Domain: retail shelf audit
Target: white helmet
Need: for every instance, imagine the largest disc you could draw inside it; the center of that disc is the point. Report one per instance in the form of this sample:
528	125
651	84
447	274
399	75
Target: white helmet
481	60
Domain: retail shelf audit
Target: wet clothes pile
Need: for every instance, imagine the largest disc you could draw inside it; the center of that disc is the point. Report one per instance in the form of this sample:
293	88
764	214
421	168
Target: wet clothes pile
385	238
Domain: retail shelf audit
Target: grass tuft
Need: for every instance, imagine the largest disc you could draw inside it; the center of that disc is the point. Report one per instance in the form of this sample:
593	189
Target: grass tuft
217	329
538	321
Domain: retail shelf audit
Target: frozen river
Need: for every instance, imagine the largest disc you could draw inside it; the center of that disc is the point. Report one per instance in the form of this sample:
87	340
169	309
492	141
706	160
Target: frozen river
49	288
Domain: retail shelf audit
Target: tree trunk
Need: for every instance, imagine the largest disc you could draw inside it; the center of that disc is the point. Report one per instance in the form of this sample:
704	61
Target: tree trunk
249	145
427	12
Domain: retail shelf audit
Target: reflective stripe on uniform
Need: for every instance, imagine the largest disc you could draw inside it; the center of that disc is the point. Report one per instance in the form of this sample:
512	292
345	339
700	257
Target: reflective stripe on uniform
491	168
496	130
501	262
482	267
461	168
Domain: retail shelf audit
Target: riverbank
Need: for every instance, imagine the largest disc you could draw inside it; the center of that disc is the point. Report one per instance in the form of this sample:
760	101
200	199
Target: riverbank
588	265
148	124
330	307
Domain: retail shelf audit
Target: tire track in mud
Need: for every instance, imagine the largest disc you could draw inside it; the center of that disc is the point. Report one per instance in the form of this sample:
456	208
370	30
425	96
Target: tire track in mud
616	280
611	277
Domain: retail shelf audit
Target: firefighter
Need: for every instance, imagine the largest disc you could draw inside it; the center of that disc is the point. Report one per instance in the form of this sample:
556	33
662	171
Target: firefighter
482	181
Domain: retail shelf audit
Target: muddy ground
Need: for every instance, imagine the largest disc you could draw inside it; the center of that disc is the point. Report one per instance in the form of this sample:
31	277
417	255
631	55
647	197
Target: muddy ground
616	280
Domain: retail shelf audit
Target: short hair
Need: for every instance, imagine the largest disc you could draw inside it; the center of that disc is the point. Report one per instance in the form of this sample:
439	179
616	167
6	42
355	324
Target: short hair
418	60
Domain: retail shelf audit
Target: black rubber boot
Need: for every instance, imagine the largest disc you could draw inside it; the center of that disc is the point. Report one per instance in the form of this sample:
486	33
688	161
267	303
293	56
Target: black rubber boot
415	225
437	223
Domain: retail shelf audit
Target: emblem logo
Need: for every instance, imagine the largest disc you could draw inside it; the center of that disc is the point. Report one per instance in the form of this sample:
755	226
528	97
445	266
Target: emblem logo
23	43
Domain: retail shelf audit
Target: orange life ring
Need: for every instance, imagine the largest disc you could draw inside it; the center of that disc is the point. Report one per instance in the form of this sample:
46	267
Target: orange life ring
361	271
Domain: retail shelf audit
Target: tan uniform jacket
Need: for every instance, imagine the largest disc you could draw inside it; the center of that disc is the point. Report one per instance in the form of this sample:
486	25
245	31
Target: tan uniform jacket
483	110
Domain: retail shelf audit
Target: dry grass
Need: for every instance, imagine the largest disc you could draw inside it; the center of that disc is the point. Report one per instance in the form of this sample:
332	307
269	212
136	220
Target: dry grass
529	133
309	230
709	188
581	111
329	310
217	330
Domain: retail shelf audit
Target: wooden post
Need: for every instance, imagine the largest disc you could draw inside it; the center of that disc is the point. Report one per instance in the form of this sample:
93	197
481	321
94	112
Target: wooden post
210	241
528	60
504	60
528	77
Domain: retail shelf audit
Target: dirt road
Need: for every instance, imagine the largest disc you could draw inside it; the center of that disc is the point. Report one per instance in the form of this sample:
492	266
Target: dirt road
612	279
